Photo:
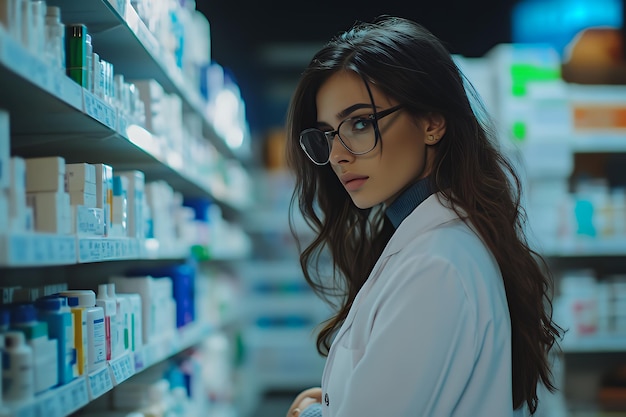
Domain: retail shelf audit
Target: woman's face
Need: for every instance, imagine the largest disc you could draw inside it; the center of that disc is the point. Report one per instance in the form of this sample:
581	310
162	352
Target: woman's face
378	176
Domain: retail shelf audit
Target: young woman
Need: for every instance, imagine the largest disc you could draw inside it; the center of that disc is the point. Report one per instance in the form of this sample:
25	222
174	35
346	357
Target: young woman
442	309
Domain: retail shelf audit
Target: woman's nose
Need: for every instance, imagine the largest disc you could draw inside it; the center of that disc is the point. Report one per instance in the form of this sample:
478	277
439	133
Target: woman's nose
338	153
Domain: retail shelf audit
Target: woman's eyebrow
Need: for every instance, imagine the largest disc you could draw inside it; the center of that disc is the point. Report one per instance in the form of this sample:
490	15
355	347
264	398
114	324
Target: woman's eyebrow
347	111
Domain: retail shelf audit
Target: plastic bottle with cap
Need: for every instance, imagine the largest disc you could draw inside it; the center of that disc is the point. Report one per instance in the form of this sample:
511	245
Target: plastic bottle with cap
109	306
119	209
57	314
123	321
24	319
17	368
55	38
83	305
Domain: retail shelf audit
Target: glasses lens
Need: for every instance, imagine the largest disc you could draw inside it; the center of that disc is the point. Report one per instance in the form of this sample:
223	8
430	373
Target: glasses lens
358	134
315	145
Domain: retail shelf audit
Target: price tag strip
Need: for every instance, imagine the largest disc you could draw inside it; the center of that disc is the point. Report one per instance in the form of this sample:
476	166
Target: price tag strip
122	368
99	382
37	249
99	110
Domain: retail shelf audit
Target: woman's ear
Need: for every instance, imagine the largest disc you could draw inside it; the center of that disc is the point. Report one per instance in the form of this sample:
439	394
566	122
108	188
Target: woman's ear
435	127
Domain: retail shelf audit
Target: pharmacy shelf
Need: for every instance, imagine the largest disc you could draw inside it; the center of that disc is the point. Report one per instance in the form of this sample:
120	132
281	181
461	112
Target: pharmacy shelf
594	344
52	115
65	400
120	36
42	249
599	142
32	249
579	247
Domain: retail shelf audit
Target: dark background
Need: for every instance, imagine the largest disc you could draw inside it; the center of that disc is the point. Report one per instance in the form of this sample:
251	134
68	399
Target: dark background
265	45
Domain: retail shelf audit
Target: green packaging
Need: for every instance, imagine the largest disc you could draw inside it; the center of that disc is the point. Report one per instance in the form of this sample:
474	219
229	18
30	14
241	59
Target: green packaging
76	53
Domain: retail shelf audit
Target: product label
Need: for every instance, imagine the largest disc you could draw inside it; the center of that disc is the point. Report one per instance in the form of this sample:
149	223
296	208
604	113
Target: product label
99	342
80	338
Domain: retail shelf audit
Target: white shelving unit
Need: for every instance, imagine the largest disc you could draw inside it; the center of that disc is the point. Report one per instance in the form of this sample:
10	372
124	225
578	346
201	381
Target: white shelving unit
550	126
594	344
59	116
281	312
52	115
574	248
65	400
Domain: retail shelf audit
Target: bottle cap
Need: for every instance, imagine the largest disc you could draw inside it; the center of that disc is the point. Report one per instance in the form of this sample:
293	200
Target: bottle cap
51	303
77	30
103	291
111	290
13	339
53	11
23	313
80	298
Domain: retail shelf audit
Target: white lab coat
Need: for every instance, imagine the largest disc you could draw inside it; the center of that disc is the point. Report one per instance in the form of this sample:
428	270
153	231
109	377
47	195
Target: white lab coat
429	333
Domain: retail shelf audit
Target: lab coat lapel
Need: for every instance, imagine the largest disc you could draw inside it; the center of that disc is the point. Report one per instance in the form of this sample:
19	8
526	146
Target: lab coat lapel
428	215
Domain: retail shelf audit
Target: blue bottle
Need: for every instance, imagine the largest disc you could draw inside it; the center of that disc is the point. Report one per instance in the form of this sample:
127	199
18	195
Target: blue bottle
55	311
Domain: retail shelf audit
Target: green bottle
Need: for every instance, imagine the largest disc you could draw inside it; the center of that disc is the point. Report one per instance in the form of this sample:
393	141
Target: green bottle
76	53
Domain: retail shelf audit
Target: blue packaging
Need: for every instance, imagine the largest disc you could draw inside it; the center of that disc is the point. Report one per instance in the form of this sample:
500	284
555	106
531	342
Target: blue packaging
55	311
183	278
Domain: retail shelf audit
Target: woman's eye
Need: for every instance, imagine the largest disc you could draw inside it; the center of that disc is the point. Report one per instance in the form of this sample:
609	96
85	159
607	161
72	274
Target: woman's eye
361	124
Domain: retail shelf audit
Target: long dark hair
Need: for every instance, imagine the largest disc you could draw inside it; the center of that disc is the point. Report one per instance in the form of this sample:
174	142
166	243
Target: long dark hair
408	63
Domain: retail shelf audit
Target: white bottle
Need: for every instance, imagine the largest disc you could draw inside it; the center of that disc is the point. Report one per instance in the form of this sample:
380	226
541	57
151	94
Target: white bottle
110	319
17	368
26	34
120	207
85	300
89	62
123	322
38	11
11	17
55	38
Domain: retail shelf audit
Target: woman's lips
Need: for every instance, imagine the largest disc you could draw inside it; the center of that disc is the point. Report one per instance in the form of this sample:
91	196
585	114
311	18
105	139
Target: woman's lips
353	182
354	185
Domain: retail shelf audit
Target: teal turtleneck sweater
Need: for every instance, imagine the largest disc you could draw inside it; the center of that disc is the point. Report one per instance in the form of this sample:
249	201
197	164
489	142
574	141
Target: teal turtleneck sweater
406	202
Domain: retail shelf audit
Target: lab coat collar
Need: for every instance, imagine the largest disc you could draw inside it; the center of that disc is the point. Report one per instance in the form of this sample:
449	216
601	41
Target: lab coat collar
433	212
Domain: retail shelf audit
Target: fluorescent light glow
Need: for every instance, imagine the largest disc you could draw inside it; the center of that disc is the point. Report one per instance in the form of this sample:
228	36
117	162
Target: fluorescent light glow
143	139
226	118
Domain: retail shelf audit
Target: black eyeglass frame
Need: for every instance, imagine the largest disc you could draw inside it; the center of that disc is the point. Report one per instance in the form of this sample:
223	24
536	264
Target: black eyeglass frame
374	118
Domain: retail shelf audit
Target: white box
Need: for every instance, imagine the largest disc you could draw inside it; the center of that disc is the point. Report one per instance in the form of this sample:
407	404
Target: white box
87	221
136	201
5	149
104	193
152	95
78	175
18	212
144	286
135	303
86	187
80	198
45	174
52	211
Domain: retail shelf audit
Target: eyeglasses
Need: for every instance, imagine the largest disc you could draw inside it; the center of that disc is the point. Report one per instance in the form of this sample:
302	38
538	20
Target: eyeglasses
359	135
